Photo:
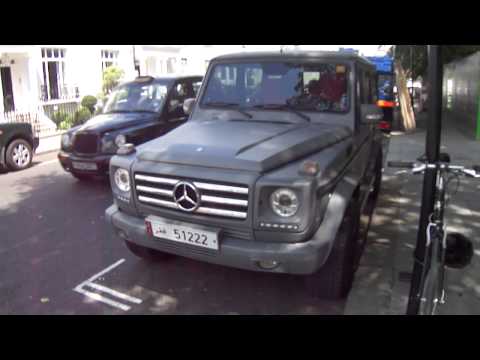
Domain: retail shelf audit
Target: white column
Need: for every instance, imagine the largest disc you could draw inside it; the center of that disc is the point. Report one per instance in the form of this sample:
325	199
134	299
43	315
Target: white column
33	86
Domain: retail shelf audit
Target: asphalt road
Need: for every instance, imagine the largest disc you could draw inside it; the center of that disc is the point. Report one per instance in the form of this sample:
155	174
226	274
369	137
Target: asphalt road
54	239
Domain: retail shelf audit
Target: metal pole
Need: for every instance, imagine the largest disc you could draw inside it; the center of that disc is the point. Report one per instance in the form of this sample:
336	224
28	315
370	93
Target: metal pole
135	66
432	145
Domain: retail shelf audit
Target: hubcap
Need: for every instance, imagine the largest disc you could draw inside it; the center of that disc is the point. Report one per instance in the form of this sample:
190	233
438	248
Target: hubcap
21	155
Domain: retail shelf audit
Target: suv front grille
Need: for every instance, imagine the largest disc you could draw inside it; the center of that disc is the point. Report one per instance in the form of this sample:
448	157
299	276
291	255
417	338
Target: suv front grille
222	200
85	143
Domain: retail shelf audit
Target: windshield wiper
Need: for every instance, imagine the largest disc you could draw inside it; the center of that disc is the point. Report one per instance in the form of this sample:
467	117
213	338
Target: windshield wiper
233	106
283	107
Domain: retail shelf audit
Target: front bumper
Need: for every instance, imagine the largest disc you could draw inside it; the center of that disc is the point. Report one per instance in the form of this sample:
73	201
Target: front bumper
293	258
102	162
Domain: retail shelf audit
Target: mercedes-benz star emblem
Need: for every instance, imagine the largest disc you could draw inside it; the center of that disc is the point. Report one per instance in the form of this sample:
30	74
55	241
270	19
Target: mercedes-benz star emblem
186	196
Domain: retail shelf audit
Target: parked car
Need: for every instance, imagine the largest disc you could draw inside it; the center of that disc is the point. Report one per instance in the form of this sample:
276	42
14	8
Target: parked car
278	164
17	145
135	112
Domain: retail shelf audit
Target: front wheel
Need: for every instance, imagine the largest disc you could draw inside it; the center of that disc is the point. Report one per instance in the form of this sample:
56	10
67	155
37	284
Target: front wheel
433	293
19	155
334	279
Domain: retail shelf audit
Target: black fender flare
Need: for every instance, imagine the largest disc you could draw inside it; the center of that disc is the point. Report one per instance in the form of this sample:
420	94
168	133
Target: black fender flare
339	200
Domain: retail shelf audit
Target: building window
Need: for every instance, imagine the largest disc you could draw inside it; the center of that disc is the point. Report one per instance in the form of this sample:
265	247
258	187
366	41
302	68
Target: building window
53	67
109	58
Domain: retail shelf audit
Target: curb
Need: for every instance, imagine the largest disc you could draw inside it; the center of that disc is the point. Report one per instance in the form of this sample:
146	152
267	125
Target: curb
47	151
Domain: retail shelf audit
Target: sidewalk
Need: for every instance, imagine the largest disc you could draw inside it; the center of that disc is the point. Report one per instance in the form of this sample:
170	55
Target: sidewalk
381	283
49	143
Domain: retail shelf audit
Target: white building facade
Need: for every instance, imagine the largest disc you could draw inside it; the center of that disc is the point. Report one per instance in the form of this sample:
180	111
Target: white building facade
37	76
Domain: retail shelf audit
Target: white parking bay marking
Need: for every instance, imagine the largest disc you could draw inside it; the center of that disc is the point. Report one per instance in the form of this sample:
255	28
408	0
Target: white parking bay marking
115	293
103	299
104	271
98	297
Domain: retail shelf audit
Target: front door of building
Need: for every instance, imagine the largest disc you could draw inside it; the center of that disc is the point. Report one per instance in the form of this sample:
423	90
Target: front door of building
7	88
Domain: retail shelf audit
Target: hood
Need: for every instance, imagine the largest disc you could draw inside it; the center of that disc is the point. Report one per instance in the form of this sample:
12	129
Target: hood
111	122
240	145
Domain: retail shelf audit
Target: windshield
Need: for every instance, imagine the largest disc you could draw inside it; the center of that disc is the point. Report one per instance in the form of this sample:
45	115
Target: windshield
385	86
137	97
319	87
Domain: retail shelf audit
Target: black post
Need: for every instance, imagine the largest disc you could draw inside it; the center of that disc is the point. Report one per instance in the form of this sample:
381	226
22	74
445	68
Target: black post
136	65
432	151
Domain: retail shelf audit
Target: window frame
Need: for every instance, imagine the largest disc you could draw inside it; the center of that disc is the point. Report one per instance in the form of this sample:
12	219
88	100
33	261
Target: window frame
55	55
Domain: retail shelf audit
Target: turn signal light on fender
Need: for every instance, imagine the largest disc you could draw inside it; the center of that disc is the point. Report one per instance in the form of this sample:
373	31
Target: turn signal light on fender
310	168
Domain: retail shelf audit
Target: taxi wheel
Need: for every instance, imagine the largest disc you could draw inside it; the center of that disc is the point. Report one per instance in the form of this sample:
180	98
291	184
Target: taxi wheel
334	279
147	254
19	155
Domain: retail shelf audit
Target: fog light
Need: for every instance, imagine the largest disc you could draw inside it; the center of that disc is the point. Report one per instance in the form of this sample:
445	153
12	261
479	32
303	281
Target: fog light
268	264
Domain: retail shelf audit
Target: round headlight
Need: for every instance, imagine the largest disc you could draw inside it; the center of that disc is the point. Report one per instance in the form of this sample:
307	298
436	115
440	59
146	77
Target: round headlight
120	140
66	140
284	202
122	180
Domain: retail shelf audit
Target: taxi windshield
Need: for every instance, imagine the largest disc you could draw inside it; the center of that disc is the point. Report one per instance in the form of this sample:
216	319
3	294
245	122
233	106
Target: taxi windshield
137	97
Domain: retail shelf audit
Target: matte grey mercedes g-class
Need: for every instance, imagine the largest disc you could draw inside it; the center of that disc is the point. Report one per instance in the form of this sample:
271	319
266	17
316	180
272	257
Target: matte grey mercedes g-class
274	171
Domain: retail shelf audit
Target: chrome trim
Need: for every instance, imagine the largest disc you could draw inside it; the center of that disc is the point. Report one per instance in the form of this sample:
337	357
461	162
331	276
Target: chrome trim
151	190
229	213
222	188
168	204
158	180
200	210
221	200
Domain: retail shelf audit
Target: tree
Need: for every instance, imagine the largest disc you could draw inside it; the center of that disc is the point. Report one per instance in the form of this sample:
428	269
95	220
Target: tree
418	53
111	77
411	61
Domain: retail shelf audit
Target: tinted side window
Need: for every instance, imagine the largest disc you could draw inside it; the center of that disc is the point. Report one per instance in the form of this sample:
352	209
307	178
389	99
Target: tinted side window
181	91
196	87
367	87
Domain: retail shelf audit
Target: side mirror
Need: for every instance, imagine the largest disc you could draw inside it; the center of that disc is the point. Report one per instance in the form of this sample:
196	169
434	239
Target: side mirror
188	106
371	114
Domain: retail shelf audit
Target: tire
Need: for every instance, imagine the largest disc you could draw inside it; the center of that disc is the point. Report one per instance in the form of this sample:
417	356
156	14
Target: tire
147	254
19	155
334	279
377	184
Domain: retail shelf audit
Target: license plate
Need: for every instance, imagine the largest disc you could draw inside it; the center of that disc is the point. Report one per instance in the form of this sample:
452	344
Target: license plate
183	233
84	165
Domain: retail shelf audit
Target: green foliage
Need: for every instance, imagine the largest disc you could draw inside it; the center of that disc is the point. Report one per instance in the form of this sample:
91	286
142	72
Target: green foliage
418	53
111	77
102	99
67	123
81	116
58	117
89	102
